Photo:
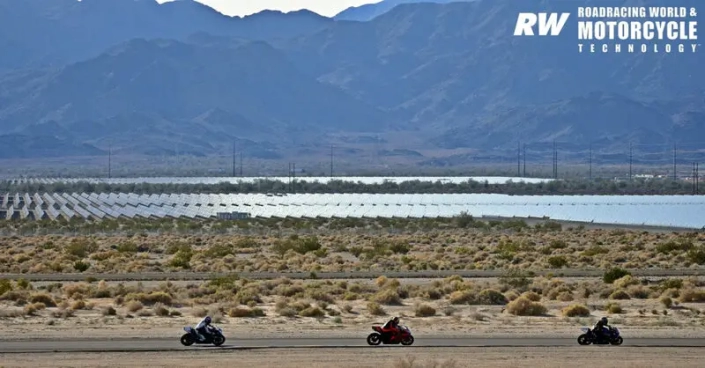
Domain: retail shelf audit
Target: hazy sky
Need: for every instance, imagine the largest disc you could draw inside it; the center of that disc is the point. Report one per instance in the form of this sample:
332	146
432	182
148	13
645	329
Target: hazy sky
246	7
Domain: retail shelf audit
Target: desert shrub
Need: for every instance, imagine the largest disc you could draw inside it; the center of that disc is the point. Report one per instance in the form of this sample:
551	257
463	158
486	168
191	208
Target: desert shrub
692	296
240	312
620	295
491	297
625	282
133	306
375	309
43	298
425	310
81	248
151	298
531	296
671	284
557	261
219	251
525	307
5	286
462	297
667	302
288	312
127	247
182	259
697	256
399	247
32	309
81	266
312	312
387	297
160	310
576	310
613	308
78	305
614	274
109	311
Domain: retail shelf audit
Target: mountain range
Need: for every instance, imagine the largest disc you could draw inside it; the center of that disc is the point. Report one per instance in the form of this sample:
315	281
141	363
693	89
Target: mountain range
424	78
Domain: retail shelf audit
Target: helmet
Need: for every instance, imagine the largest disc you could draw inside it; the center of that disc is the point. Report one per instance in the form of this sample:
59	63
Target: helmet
208	319
603	320
396	319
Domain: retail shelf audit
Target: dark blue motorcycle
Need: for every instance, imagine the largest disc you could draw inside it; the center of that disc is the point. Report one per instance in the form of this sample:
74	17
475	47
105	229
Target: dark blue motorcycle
610	336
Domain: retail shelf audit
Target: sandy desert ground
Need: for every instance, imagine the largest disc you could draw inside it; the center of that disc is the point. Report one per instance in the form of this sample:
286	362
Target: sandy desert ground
625	357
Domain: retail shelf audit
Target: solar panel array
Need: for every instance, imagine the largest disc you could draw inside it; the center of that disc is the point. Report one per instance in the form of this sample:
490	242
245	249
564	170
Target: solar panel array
320	179
672	211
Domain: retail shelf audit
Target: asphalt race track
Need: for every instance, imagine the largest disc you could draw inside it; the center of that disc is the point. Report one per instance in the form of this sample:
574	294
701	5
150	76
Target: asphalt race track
172	344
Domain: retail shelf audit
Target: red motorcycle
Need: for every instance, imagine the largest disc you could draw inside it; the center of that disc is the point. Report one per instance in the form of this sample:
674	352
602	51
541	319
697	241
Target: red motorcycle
403	337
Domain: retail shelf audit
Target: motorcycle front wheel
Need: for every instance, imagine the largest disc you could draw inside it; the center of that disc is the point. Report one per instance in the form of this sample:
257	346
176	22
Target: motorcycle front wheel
407	340
187	340
583	340
374	339
218	340
618	341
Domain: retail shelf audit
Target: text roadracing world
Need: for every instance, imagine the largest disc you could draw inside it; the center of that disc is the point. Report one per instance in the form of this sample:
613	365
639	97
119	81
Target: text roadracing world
678	35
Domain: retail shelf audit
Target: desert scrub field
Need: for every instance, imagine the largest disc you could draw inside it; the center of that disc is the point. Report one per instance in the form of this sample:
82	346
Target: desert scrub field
510	301
457	244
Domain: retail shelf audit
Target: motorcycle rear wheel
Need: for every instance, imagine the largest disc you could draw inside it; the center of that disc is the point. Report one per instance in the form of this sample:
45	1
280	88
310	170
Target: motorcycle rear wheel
583	340
407	340
374	339
187	340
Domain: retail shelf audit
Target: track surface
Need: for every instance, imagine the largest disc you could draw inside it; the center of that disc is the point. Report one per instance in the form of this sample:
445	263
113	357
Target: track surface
172	344
157	276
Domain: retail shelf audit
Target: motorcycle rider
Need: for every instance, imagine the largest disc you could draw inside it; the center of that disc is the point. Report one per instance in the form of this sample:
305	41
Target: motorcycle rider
202	328
391	327
599	328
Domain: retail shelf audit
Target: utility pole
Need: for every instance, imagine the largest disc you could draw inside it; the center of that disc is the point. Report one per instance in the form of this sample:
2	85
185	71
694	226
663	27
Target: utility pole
590	163
110	159
555	161
293	175
694	178
524	154
675	176
331	160
240	163
519	159
289	176
630	161
697	177
233	159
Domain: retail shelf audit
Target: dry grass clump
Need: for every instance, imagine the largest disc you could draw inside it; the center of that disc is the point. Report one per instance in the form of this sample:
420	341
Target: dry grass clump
424	310
43	298
240	312
375	309
576	310
525	307
613	308
692	296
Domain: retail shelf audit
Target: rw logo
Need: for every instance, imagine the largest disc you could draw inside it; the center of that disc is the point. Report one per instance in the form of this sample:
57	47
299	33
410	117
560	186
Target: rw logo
548	22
